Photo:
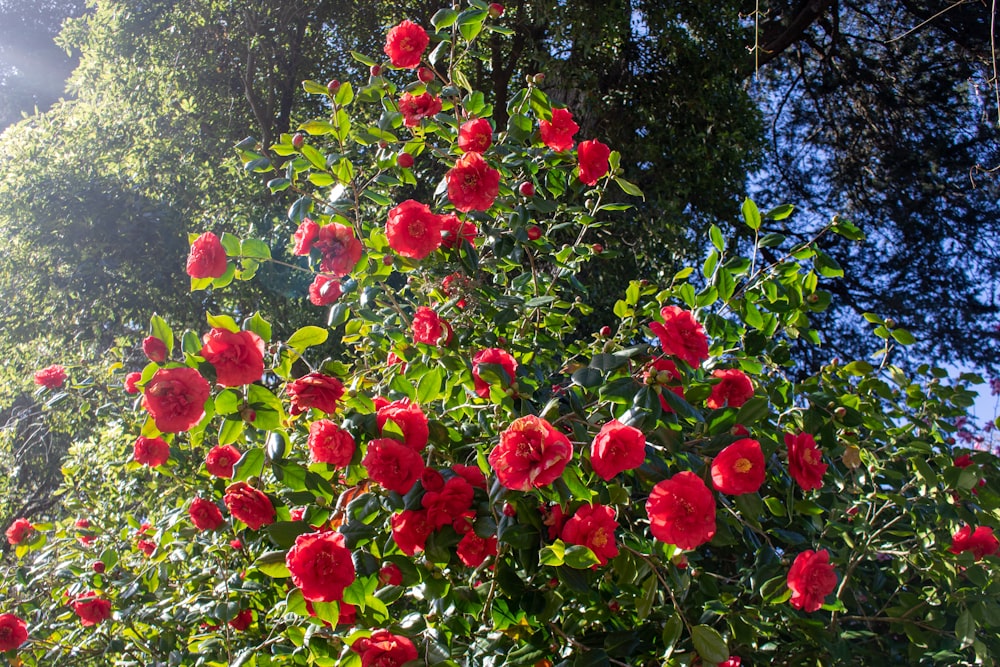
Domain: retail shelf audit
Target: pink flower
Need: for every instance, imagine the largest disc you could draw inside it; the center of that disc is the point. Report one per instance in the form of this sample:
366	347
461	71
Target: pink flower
494	356
19	531
321	566
330	444
205	515
428	328
739	468
410	420
340	251
392	464
152	452
473	549
249	505
207	258
305	236
455	230
13	632
314	390
220	460
175	397
324	290
238	357
417	107
91	608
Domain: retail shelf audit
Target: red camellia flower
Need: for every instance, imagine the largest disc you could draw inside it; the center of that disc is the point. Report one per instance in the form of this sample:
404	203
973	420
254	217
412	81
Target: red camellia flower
981	541
392	464
390	575
617	448
681	336
242	620
151	451
130	383
330	444
51	377
13	632
731	661
220	460
472	474
733	390
305	236
175	397
447	502
92	608
146	546
472	183
324	290
428	328
558	133
454	231
249	505
19	531
413	231
154	349
410	419
805	461
475	136
384	649
321	566
811	579
682	511
339	249
593	526
417	107
410	530
207	258
498	357
531	454
739	468
473	550
593	158
314	390
205	515
405	44
238	357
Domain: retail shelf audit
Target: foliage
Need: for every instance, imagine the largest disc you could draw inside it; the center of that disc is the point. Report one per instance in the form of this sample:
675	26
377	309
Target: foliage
891	493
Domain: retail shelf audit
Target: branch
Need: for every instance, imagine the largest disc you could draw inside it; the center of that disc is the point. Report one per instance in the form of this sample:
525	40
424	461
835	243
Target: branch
777	36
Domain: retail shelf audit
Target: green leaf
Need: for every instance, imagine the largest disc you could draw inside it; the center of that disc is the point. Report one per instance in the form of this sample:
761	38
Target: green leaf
361	58
715	234
903	337
751	411
751	215
306	337
580	557
539	301
314	156
272	563
343	97
648	598
251	464
444	18
259	326
231	430
588	377
283	533
316	126
159	328
429	386
222	322
315	87
255	248
709	644
629	188
827	266
965	629
779	212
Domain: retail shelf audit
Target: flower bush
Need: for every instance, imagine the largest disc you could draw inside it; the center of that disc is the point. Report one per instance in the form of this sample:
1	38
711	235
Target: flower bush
447	468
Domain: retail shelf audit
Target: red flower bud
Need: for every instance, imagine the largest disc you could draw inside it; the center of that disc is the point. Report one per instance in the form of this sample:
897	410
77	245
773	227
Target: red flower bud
527	189
404	160
298	139
425	74
375	70
496	10
333	86
98	567
534	232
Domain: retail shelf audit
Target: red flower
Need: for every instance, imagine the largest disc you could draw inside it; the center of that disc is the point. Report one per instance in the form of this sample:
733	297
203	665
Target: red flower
413	231
205	515
392	464
152	452
410	530
19	531
175	397
249	505
681	335
531	454
349	615
472	183
324	290
475	136
154	349
811	579
593	158
207	258
739	468
330	444
242	620
51	377
617	448
558	133
305	236
220	460
451	500
384	649
981	541
146	546
593	526
314	390
405	44
805	461
390	575
454	231
497	357
733	390
130	381
417	107
238	357
91	608
339	249
455	284
731	661
682	511
473	549
472	474
429	329
321	566
13	632
410	419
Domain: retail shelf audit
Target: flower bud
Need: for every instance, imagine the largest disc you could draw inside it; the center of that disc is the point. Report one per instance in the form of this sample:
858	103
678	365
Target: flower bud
605	331
98	567
404	160
496	10
333	86
534	232
509	510
375	70
425	74
298	139
527	189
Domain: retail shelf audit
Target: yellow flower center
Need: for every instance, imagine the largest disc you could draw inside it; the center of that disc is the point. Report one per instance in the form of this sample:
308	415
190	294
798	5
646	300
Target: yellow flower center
742	466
